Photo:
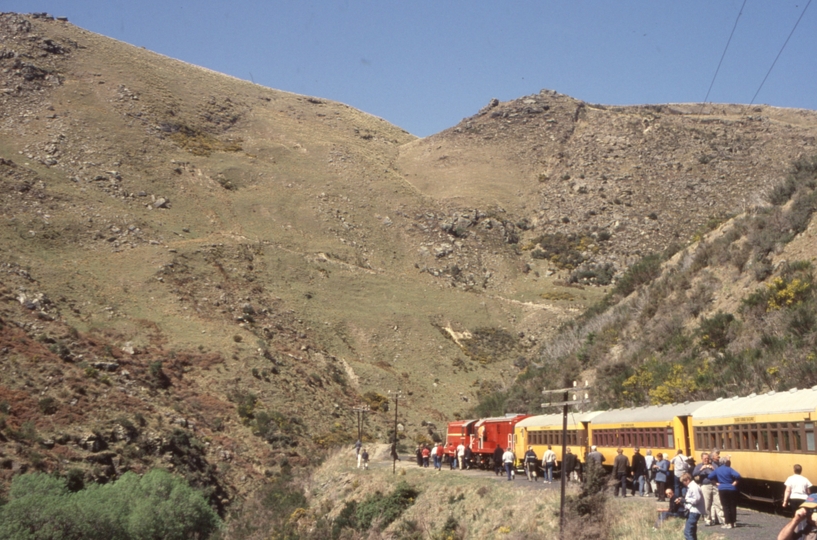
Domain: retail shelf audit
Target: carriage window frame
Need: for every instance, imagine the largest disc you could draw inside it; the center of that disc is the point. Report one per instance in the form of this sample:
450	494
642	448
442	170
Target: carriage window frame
777	437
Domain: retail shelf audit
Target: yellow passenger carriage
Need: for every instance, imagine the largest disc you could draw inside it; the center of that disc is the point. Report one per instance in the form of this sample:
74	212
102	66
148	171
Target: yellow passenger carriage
546	429
765	434
660	428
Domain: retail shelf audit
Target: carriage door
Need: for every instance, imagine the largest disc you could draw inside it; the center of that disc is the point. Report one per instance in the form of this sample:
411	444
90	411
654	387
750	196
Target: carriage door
686	439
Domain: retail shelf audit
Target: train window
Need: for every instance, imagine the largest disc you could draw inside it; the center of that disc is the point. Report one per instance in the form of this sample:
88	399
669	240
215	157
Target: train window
744	439
775	439
786	445
670	439
795	436
809	426
764	438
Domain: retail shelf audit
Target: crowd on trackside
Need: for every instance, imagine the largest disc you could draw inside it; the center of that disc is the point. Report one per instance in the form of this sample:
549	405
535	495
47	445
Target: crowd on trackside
706	491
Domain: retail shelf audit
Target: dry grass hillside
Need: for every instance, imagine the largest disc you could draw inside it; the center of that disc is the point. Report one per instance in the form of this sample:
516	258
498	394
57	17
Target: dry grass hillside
194	265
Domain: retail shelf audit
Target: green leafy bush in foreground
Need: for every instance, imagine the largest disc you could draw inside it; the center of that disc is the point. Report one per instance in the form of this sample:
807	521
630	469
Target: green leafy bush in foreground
155	506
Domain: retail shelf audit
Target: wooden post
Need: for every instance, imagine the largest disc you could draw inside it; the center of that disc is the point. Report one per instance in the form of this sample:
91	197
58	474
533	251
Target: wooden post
564	394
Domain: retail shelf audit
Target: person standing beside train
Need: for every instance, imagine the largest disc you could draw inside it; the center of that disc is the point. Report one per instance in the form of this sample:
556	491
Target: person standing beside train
709	491
461	455
530	464
797	488
661	468
621	467
679	466
507	459
595	456
548	463
726	478
569	465
695	506
466	456
639	472
426	455
649	460
497	459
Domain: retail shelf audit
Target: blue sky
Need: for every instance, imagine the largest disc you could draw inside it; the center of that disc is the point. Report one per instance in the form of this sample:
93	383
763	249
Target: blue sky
426	65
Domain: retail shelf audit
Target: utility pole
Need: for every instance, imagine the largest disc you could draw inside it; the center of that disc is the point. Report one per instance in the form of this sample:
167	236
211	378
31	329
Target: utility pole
580	397
394	457
360	411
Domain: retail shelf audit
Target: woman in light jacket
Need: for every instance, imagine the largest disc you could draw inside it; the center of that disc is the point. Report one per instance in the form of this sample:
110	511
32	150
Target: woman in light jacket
661	468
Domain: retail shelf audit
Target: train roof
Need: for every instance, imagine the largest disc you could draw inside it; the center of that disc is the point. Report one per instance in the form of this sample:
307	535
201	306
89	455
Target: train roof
462	422
650	413
547	420
790	401
506	418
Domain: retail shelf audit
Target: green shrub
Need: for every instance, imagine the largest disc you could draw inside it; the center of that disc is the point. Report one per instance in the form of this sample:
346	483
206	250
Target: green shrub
642	272
781	193
75	480
246	406
600	274
380	510
157	505
47	405
376	402
714	332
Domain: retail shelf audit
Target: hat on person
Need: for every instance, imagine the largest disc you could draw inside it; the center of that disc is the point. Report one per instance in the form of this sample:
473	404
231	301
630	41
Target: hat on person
811	502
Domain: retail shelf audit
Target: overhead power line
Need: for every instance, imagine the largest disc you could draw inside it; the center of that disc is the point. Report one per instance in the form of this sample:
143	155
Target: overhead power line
781	50
722	56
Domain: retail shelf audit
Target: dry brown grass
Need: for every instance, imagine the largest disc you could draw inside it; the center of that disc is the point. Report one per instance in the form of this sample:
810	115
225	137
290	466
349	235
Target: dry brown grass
483	506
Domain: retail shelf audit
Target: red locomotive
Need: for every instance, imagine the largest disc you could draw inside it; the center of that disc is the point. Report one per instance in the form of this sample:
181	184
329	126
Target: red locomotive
483	436
460	432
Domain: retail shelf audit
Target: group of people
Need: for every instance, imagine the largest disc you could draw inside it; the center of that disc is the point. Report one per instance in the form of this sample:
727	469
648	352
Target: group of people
708	489
436	454
427	455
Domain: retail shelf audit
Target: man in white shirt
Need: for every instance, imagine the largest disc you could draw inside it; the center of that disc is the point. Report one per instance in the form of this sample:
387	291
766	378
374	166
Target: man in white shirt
797	487
694	504
461	455
680	466
507	459
548	462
